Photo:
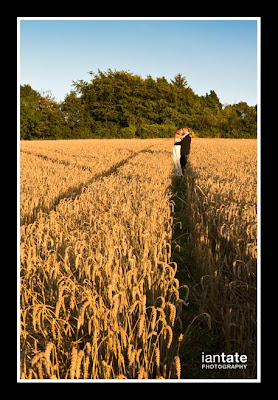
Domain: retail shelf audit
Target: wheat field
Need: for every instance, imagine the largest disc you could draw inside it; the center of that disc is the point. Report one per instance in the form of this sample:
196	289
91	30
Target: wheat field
221	187
99	294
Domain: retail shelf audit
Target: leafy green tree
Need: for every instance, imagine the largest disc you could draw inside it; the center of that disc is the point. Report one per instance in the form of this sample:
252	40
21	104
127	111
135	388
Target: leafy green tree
53	124
41	116
239	120
78	125
212	101
30	116
179	81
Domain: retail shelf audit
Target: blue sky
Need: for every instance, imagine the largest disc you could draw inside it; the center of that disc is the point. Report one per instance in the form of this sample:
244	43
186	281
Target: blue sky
219	55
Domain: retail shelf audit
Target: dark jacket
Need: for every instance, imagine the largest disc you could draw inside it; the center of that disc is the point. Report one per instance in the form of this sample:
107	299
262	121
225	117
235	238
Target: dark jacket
185	145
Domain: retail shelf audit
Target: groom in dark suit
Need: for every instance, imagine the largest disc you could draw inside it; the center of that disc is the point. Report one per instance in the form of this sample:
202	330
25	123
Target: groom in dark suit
185	148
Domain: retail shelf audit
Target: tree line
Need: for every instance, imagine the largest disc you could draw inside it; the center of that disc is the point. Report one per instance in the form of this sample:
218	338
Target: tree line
120	104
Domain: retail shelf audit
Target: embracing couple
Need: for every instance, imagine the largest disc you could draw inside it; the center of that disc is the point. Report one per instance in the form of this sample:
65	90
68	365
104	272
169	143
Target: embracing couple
181	149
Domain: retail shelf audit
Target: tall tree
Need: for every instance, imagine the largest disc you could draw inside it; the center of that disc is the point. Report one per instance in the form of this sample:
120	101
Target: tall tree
41	117
179	81
30	116
212	101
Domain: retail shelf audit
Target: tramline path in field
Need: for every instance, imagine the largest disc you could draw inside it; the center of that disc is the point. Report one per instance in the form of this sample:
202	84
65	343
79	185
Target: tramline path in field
73	191
54	170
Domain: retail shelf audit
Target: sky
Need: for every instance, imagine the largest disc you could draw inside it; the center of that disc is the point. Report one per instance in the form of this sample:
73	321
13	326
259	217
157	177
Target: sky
219	55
